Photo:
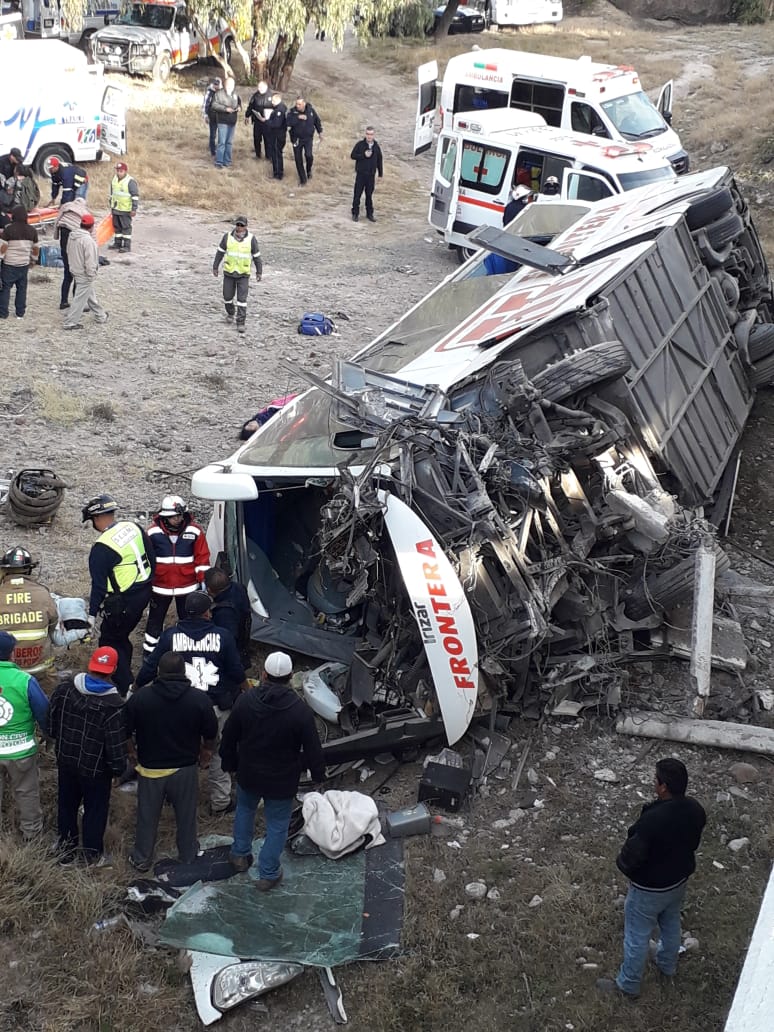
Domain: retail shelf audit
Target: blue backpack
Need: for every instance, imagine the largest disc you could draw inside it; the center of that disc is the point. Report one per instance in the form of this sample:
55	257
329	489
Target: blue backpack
315	324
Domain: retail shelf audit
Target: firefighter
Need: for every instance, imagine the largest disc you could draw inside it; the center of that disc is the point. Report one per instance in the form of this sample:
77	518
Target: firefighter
124	200
121	565
27	611
72	180
241	250
182	557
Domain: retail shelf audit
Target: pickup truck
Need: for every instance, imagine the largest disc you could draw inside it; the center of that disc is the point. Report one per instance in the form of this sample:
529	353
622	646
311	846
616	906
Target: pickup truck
153	38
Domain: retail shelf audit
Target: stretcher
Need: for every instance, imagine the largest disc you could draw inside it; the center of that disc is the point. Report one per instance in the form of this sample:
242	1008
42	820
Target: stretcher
44	219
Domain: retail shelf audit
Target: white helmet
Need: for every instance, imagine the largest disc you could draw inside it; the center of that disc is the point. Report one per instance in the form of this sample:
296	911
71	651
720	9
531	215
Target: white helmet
172	505
520	191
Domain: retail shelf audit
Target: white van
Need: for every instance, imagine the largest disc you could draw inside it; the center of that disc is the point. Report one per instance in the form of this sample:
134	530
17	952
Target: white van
503	13
44	19
480	160
599	99
64	108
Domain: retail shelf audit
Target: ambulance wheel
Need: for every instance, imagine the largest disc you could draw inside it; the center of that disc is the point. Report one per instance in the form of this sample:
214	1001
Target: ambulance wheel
708	209
45	154
463	253
582	369
163	67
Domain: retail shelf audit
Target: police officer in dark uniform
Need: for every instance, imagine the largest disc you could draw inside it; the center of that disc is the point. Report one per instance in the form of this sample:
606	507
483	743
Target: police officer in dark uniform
275	134
367	155
121	565
257	110
303	123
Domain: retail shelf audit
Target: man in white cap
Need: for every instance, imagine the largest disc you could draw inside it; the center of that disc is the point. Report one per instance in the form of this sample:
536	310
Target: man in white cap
269	738
520	198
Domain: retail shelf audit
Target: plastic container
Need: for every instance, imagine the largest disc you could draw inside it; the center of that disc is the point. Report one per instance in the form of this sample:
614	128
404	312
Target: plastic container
414	820
107	922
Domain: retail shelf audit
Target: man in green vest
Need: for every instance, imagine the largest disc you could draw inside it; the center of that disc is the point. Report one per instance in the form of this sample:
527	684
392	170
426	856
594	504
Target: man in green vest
124	200
22	705
121	565
240	250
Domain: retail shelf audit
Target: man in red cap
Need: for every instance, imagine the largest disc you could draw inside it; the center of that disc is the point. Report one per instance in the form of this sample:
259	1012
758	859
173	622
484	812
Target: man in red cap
124	200
83	259
86	721
72	180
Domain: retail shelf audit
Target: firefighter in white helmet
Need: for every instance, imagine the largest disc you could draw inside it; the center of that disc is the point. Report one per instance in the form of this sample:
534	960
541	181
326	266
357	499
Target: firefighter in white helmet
182	557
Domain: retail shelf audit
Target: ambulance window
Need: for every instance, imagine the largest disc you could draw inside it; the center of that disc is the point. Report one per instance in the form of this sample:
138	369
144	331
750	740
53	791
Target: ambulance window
448	158
589	189
529	169
584	119
483	167
473	98
427	97
542	98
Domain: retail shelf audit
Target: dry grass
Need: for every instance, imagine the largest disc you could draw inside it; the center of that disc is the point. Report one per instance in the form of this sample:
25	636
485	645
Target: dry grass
58	406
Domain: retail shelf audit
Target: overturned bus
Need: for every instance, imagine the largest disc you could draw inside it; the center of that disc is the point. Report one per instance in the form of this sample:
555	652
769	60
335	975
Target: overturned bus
502	494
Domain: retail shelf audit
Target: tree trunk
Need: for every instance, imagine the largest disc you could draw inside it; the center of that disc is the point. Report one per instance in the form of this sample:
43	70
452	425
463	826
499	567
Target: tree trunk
282	62
258	50
442	30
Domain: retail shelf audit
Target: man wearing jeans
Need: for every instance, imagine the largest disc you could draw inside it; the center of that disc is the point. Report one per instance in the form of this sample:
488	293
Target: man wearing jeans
269	739
226	105
657	858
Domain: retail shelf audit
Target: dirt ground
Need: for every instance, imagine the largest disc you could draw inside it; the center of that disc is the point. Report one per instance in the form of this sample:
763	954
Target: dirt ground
135	407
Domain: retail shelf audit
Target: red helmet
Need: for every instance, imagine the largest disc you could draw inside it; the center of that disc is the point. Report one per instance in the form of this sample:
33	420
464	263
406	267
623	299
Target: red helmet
53	163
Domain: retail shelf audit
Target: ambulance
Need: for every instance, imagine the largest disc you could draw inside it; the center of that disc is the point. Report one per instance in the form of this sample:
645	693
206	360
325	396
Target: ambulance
487	153
601	100
54	104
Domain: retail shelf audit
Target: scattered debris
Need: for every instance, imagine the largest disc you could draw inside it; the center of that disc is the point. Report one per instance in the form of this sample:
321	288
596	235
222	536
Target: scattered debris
476	889
744	773
439	876
699	732
535	901
493	895
607	775
737	844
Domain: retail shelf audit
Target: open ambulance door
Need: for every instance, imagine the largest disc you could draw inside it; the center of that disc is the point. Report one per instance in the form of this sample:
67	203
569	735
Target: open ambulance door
446	178
113	127
427	76
578	185
664	103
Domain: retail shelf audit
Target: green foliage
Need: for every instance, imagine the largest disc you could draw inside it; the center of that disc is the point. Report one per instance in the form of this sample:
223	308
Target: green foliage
751	12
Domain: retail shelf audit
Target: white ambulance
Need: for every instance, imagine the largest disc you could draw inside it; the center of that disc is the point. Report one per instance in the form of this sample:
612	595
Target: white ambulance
606	101
487	153
63	108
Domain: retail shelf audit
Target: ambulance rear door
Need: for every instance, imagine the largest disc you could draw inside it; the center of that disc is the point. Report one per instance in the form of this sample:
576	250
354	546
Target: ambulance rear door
427	76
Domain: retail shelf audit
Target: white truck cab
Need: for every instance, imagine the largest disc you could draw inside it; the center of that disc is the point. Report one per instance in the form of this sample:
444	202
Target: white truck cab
64	109
154	37
504	13
486	153
606	101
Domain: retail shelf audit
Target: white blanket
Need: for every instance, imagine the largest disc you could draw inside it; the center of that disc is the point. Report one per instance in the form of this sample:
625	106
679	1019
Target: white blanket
338	822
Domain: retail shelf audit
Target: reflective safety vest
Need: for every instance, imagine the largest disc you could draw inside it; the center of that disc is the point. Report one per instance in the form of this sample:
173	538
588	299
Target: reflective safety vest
17	724
133	566
239	255
120	198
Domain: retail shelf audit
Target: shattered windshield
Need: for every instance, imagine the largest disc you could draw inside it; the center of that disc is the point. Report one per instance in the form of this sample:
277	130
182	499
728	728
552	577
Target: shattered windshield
301	435
634	116
151	16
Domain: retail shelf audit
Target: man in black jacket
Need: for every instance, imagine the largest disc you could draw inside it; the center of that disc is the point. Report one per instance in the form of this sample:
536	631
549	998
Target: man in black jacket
86	722
269	739
275	134
174	726
257	110
367	155
230	608
212	665
657	858
303	123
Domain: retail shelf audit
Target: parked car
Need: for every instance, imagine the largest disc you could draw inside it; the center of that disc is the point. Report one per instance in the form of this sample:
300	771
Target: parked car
466	19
